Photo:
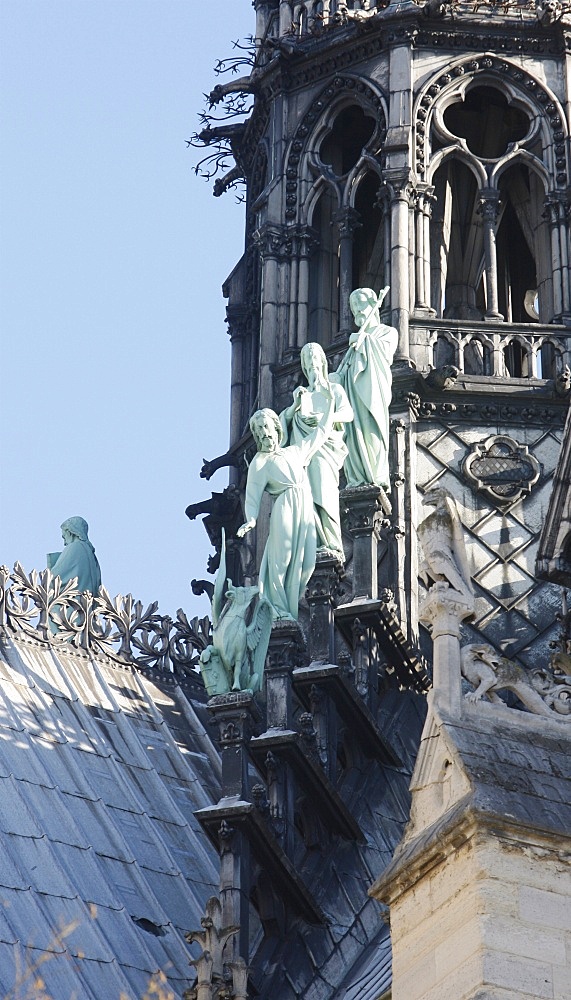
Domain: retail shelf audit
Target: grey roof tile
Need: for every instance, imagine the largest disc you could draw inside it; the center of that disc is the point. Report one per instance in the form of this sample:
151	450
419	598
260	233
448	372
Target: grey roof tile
15	817
83	800
87	868
138	831
131	945
62	767
106	782
98	830
372	975
77	927
126	691
105	980
182	899
159	749
133	891
119	738
36	860
50	808
27	921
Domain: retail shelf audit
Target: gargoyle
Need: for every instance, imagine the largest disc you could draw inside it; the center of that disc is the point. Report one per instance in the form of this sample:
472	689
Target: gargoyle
241	624
562	383
223	183
442	378
489	672
243	85
200	587
230	132
210	466
223	510
361	16
442	538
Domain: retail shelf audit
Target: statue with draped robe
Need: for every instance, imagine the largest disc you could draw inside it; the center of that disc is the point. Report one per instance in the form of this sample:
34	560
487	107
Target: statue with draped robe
309	409
289	556
77	559
365	375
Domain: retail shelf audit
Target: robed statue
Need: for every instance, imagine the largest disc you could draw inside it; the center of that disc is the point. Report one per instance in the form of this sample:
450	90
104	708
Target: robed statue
365	375
241	627
77	559
289	556
308	411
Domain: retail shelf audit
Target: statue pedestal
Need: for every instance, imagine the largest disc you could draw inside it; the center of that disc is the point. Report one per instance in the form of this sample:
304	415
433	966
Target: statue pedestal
285	651
443	609
320	596
364	508
234	713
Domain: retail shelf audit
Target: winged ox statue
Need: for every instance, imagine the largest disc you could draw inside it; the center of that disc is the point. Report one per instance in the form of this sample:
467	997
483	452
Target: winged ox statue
241	626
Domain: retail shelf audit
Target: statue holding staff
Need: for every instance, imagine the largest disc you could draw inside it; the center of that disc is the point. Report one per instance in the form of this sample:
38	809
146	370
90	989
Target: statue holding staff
365	374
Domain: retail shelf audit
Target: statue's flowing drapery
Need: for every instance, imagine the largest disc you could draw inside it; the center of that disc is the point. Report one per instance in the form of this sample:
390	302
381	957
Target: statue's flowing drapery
289	555
365	374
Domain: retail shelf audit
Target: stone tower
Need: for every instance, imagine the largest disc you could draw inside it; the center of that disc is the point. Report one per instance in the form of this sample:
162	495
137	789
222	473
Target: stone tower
424	147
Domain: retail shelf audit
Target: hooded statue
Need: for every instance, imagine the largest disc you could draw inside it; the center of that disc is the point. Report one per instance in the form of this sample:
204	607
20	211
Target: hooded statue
78	557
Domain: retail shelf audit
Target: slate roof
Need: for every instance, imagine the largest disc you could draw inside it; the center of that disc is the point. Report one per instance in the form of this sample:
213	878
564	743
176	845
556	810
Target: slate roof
103	865
518	767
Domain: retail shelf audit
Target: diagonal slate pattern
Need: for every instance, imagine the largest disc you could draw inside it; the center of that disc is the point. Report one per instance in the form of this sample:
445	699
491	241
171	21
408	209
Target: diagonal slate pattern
502	541
103	866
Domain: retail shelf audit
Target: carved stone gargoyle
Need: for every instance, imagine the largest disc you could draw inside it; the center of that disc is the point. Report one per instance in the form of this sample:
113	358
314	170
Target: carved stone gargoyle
242	625
223	512
489	672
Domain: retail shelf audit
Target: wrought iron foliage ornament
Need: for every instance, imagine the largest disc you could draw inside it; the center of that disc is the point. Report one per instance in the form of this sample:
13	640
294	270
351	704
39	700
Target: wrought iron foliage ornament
40	607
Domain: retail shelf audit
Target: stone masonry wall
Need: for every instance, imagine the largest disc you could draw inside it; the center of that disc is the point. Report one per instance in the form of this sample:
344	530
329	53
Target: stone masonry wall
491	921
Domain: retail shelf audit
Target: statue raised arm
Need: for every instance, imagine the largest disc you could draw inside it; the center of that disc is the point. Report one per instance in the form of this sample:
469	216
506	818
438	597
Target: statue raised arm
289	556
365	374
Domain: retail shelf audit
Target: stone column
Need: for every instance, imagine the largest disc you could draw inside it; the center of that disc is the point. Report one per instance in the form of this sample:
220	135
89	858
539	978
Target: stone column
306	243
320	596
489	210
237	318
286	17
365	662
274	243
401	191
234	714
285	652
444	609
364	507
348	220
557	215
423	207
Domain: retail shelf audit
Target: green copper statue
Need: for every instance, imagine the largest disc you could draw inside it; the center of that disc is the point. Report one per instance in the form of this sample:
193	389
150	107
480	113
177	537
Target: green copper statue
365	374
309	410
78	557
242	624
289	555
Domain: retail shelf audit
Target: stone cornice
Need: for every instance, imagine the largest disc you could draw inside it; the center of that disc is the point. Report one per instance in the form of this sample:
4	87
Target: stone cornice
465	824
316	58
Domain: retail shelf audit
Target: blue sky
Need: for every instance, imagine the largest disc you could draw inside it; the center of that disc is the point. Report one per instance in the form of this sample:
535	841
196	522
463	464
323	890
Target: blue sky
115	356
